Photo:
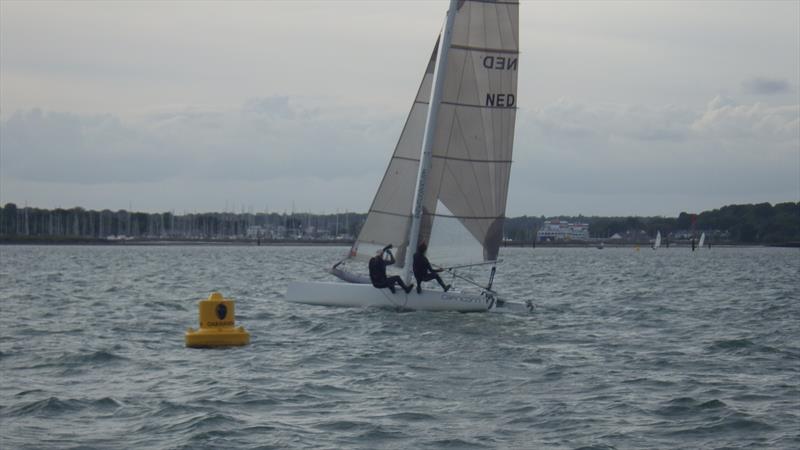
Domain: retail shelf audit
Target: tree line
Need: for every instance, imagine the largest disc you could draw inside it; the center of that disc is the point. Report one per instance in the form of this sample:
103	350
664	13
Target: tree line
761	223
89	224
748	223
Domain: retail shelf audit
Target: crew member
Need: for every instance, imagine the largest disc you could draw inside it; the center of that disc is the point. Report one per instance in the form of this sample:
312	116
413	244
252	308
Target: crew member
377	272
423	270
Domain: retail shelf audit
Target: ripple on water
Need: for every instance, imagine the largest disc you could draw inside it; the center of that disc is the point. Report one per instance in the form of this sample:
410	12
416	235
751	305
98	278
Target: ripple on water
53	406
737	424
688	406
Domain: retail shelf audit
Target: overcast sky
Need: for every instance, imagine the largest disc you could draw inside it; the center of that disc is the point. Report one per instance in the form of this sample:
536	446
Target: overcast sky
645	108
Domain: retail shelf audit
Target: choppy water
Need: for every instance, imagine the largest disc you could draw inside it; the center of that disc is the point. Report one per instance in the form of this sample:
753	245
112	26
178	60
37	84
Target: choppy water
625	349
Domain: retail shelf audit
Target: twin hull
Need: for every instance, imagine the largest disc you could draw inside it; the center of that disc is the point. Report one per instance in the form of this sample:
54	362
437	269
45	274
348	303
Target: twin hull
346	294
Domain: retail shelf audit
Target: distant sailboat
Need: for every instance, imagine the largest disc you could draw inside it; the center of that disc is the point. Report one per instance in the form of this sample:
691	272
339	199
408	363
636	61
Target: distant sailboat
702	240
447	180
657	242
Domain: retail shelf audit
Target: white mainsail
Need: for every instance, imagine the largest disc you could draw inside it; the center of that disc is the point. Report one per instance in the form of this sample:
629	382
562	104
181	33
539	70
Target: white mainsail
702	240
466	186
657	243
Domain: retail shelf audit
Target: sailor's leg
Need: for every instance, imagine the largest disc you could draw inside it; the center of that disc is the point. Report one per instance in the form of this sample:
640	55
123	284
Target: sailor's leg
385	284
433	276
441	283
398	280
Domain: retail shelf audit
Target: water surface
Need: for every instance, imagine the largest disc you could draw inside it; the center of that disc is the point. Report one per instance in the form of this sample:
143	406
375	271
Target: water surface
625	349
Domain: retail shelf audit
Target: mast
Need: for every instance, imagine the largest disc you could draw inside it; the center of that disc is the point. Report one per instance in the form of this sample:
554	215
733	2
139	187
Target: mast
428	136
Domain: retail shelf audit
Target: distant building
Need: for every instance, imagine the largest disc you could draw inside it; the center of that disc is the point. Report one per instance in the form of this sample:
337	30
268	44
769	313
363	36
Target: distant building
682	234
559	230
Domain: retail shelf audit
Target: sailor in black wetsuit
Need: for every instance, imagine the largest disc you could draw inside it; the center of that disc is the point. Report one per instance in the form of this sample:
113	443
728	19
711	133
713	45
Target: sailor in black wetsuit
423	270
377	272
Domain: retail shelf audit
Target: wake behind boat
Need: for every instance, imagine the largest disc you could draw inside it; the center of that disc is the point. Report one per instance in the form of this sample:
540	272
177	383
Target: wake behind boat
447	180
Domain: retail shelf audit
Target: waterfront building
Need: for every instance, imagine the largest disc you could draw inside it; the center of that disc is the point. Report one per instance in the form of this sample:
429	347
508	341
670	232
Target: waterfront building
560	230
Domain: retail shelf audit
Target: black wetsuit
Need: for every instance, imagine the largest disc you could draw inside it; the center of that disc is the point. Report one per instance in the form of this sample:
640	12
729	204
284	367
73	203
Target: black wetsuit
377	274
424	272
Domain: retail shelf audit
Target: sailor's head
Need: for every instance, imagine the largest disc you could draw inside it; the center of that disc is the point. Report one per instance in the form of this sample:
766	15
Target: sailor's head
379	252
422	247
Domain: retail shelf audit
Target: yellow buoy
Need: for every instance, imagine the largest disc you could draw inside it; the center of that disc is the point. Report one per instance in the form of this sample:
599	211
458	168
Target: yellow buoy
217	325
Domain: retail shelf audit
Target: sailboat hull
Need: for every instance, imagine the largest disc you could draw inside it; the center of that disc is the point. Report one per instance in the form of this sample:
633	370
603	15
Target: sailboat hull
362	295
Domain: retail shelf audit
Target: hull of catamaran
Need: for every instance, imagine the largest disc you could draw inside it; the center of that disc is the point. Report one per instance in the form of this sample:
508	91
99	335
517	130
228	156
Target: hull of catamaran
363	295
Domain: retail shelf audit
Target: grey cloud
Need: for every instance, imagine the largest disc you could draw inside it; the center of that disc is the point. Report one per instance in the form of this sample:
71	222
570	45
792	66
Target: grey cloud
765	86
277	106
722	119
566	119
726	121
726	149
52	146
266	139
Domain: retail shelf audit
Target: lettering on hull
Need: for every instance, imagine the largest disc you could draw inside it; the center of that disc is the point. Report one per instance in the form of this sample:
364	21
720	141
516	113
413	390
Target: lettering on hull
463	298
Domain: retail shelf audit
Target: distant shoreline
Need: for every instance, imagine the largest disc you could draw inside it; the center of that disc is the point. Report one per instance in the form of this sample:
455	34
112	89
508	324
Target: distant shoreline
336	243
168	242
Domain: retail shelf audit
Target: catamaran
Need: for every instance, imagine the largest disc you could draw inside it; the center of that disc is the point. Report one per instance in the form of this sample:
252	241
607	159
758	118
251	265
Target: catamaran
447	180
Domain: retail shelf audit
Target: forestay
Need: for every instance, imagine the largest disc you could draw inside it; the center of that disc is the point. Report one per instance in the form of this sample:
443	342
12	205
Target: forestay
466	188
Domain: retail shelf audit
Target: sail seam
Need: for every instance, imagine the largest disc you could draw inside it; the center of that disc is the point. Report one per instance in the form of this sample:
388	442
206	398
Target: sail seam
484	49
406	158
389	213
466	217
493	2
443	102
455	158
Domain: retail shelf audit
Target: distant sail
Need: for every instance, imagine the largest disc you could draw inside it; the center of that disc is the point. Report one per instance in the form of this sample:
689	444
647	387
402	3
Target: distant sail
702	240
657	243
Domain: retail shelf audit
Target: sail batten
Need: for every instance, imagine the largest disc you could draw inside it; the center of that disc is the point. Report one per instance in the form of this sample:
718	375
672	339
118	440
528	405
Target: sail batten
406	158
484	49
467	105
492	161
